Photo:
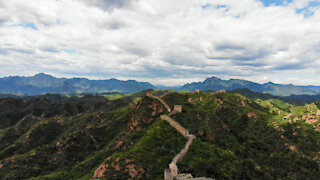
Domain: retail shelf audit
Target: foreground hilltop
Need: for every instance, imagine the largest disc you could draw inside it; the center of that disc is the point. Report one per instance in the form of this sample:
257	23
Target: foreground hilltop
94	137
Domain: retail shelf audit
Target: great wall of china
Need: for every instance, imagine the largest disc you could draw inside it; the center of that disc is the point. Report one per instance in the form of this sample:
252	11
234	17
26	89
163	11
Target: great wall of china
173	172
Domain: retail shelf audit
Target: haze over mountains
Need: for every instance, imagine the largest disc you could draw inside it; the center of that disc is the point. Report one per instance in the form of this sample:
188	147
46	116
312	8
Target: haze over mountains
216	84
44	83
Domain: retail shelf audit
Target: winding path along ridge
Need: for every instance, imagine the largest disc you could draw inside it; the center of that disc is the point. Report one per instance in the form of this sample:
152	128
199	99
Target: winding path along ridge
190	137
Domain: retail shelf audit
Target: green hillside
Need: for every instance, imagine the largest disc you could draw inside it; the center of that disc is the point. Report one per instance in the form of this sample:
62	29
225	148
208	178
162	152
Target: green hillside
122	137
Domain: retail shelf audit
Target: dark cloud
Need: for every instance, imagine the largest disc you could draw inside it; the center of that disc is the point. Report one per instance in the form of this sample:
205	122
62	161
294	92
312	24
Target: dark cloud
3	51
54	50
109	5
244	57
251	55
22	51
291	66
229	47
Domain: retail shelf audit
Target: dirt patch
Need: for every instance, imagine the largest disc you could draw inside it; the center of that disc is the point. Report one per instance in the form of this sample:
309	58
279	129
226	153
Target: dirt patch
118	144
211	137
139	105
218	101
243	104
287	116
200	132
295	119
311	119
93	139
252	114
225	126
292	148
134	172
99	172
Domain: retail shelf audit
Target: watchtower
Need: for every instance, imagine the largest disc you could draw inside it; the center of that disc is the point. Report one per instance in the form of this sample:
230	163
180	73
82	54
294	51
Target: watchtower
177	108
173	169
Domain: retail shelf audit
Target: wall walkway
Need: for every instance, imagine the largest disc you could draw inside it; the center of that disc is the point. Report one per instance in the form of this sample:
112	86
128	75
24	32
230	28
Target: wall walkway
173	173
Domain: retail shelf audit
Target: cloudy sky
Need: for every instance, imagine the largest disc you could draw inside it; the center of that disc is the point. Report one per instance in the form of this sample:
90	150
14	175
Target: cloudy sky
167	42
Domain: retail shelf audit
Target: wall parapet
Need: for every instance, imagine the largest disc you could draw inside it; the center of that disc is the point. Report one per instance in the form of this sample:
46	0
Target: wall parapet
176	125
149	94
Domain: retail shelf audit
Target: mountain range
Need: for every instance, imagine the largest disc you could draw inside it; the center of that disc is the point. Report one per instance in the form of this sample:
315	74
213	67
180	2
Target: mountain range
217	84
44	83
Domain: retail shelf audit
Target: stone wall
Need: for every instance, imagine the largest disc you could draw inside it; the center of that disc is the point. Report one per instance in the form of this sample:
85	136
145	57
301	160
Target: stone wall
173	172
184	151
149	94
175	124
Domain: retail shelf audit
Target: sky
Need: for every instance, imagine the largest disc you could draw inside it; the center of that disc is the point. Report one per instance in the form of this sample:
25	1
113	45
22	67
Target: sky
169	42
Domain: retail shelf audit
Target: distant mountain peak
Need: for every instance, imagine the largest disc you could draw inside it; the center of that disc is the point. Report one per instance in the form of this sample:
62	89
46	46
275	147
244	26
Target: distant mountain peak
214	78
43	75
211	79
216	84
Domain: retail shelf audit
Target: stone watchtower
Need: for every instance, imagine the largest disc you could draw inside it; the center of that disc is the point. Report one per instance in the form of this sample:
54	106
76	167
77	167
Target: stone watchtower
173	169
149	93
177	108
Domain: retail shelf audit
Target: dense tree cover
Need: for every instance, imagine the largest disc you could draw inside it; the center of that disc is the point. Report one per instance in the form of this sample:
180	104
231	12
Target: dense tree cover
58	137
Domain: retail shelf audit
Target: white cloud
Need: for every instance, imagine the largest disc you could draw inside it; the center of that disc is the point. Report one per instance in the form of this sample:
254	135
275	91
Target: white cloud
168	41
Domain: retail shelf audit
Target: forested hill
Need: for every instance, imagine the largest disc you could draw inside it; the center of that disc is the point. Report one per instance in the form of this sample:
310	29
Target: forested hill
114	137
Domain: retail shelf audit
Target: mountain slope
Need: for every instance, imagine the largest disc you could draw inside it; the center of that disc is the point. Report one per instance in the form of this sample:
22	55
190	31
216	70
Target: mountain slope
237	138
43	83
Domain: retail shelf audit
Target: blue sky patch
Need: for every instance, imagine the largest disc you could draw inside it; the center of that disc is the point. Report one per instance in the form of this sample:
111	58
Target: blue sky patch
58	22
219	6
308	11
206	6
69	51
28	25
275	2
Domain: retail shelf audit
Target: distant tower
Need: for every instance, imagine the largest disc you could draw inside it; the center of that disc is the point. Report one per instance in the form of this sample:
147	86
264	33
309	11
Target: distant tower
177	108
173	169
149	93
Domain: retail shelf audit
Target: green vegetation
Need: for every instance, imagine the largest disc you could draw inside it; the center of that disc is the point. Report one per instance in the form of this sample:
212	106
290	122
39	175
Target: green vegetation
121	136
